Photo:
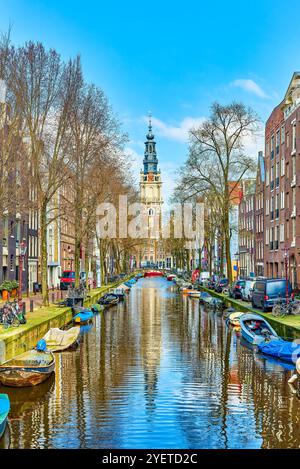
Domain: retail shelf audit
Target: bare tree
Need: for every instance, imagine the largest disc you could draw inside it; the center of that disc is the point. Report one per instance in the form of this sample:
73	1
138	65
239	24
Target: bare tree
42	89
217	160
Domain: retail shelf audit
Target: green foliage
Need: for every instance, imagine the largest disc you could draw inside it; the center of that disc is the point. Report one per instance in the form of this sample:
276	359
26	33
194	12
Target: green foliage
9	285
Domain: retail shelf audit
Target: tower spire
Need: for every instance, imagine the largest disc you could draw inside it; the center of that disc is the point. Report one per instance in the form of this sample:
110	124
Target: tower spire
150	159
150	122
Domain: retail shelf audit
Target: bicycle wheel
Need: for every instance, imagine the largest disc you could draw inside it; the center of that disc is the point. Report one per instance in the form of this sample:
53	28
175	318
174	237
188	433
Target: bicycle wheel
15	322
277	311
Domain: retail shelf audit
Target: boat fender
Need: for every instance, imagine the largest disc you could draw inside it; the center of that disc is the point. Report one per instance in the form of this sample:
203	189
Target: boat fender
41	346
293	379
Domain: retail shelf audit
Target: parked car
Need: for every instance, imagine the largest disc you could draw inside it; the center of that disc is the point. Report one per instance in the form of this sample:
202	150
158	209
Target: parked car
203	277
266	292
221	284
235	289
247	290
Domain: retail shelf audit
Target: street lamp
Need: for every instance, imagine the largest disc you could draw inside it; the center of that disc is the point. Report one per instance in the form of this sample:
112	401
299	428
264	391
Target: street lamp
70	258
23	249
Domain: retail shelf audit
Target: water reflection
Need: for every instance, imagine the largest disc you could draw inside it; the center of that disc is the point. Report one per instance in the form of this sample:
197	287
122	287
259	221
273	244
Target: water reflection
158	371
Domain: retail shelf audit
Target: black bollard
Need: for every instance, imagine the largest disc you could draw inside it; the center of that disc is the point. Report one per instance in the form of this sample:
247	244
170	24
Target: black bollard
31	306
24	307
53	298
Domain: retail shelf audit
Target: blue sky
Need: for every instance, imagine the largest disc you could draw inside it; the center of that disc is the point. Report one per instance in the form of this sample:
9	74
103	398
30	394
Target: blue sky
173	58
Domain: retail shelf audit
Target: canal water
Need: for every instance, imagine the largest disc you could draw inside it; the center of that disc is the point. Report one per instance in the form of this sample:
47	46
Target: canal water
158	371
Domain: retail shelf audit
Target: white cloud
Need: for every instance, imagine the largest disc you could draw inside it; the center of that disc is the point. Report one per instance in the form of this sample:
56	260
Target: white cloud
251	86
178	133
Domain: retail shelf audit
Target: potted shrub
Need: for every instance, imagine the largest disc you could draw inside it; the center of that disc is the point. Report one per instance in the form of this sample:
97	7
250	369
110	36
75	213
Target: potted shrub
5	288
14	287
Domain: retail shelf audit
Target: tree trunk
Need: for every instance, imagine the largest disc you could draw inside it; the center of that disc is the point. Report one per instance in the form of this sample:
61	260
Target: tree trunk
78	240
44	254
86	263
227	247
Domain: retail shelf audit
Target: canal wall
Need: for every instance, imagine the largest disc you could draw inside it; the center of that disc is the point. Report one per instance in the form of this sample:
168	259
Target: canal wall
288	327
18	340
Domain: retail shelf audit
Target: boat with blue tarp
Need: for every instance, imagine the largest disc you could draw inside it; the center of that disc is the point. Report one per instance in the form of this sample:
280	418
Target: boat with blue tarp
281	349
4	410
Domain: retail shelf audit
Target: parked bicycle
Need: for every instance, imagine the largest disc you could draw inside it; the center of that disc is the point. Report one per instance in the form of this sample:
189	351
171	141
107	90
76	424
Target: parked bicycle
283	308
11	315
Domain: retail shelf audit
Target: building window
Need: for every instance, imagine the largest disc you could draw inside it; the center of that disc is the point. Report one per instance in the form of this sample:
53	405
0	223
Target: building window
282	166
282	134
282	199
294	137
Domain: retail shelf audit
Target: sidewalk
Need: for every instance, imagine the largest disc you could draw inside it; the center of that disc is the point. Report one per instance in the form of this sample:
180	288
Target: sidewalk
16	340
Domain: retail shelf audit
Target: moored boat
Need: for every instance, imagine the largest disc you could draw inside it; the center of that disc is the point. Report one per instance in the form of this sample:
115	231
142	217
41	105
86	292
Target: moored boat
109	299
58	340
124	287
28	369
96	308
281	349
119	292
153	273
170	277
83	316
4	410
194	293
255	329
234	318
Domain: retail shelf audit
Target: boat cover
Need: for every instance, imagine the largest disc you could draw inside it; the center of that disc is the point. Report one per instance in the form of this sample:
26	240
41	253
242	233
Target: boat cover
4	406
56	339
279	348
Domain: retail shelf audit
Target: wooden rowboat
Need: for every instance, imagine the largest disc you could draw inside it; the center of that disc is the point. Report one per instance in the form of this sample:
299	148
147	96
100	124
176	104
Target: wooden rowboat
28	369
4	410
234	318
58	340
255	329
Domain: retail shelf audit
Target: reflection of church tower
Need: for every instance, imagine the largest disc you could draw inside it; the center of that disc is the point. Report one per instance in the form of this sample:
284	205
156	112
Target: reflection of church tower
151	196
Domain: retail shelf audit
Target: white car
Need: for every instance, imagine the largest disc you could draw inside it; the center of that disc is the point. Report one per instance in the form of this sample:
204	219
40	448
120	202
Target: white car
247	290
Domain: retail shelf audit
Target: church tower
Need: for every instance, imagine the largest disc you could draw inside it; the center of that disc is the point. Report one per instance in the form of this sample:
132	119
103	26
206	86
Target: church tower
151	196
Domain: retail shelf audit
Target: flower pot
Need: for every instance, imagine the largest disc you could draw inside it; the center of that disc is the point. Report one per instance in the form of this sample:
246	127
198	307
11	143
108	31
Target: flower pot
4	295
14	292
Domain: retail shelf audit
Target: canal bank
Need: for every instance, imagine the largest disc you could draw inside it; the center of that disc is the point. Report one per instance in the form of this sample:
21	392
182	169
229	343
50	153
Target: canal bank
18	340
158	370
288	327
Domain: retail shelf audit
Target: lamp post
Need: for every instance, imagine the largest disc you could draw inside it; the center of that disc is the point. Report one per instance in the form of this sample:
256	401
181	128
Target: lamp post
23	249
70	258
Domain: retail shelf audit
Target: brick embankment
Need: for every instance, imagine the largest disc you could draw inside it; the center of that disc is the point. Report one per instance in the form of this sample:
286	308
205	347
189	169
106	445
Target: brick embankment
288	326
16	340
